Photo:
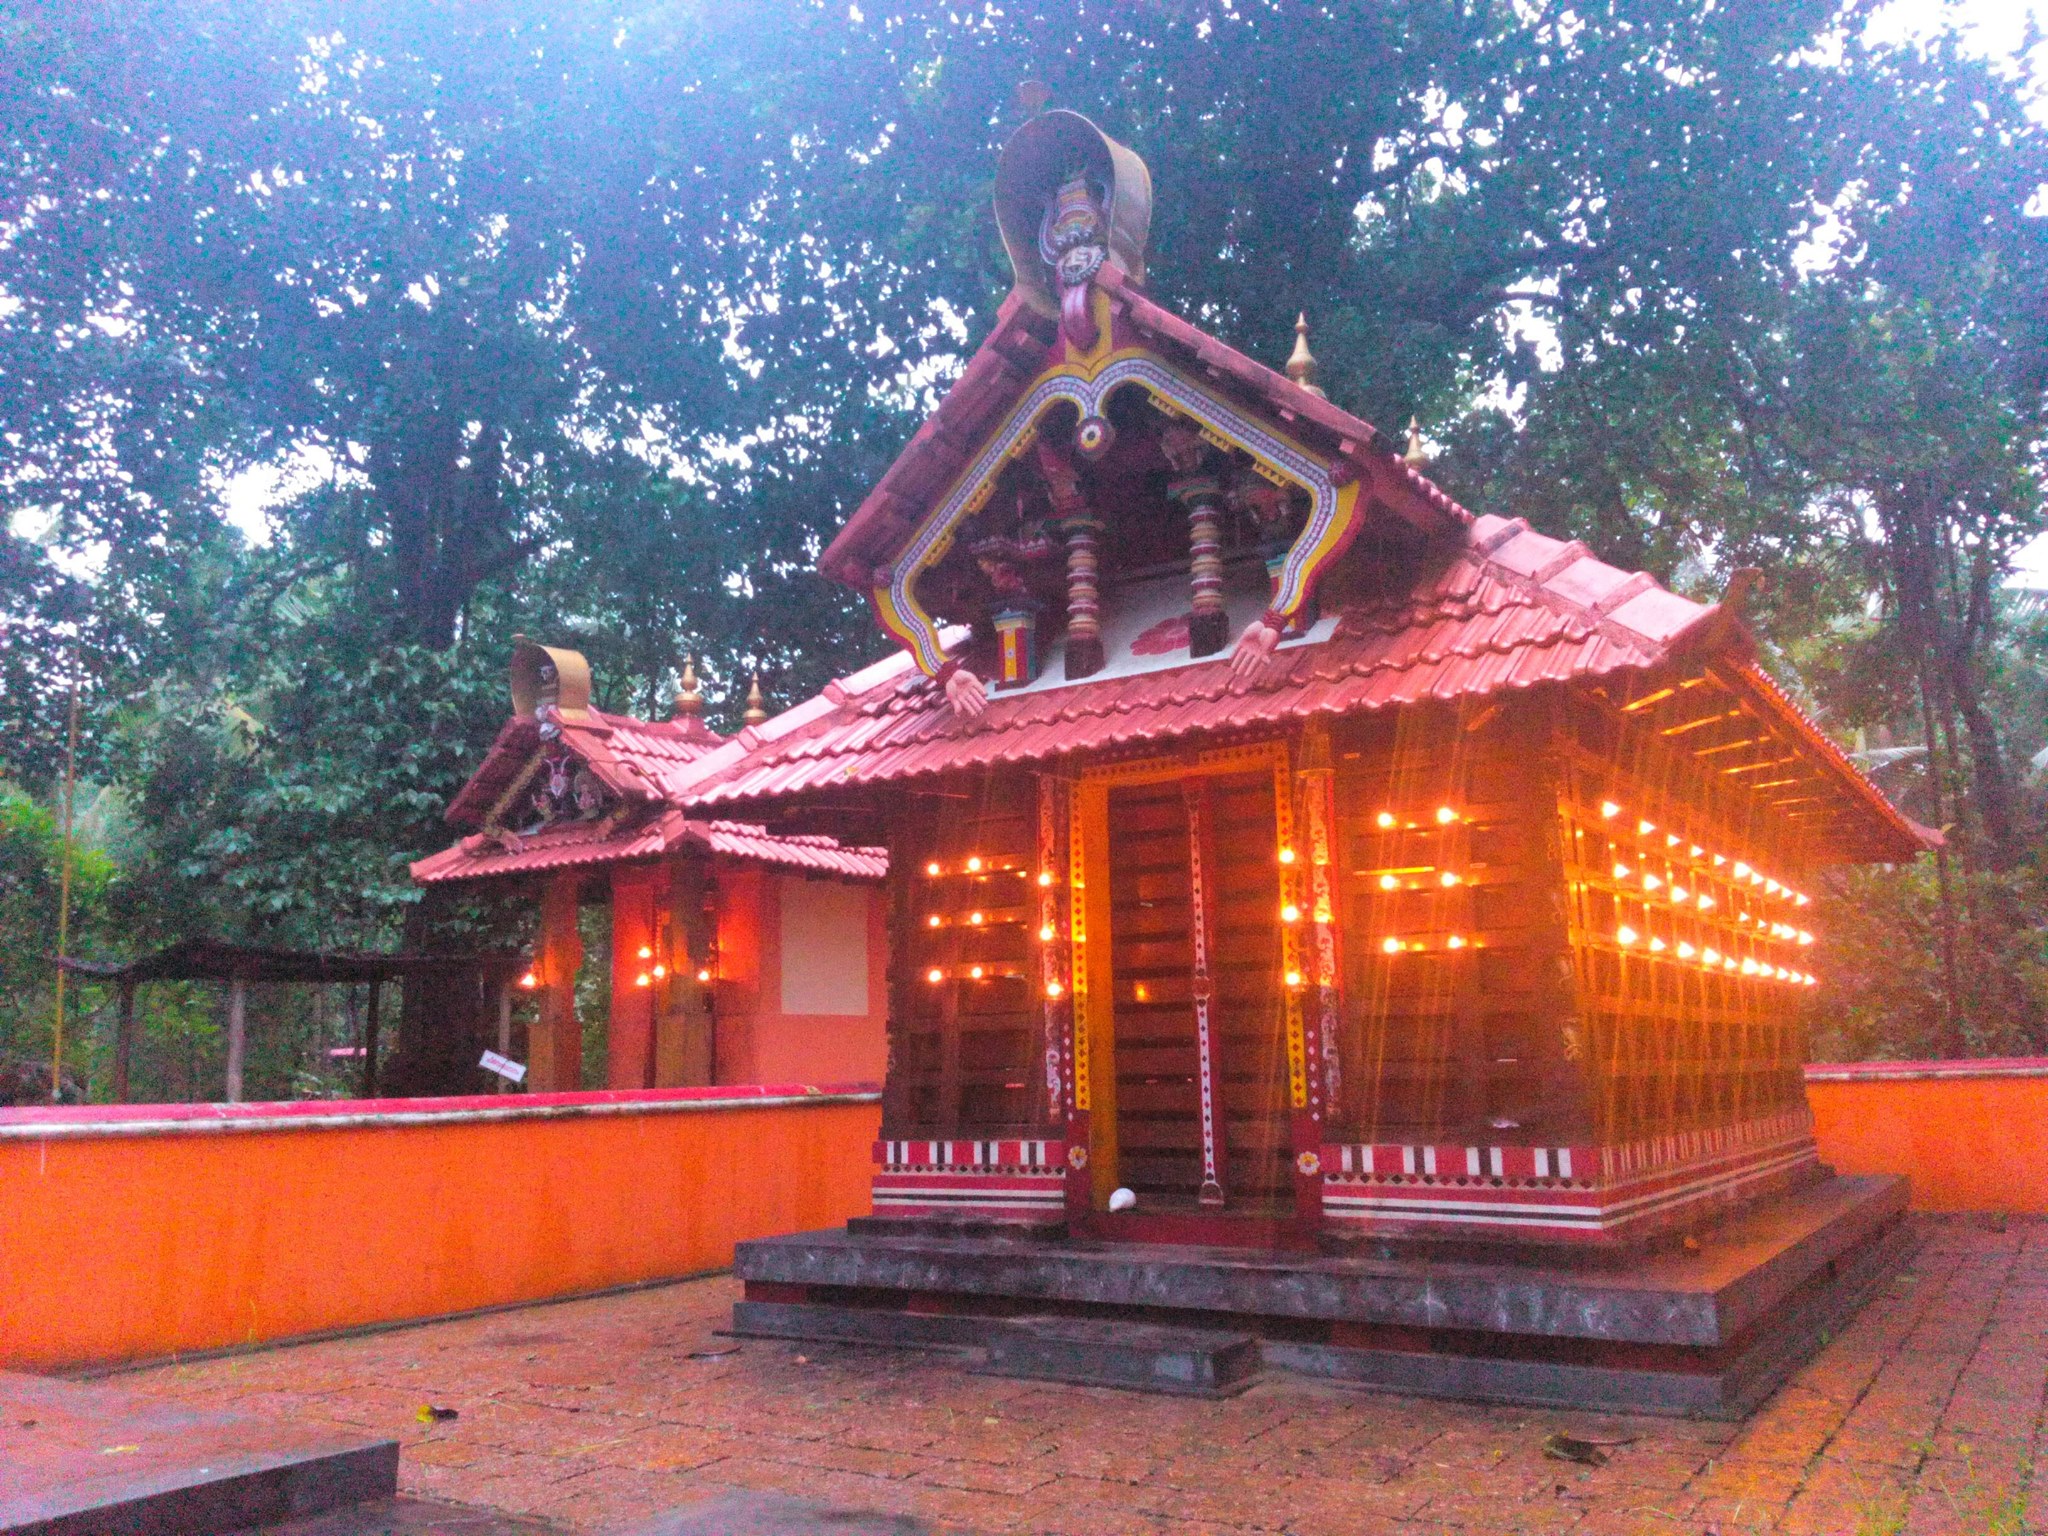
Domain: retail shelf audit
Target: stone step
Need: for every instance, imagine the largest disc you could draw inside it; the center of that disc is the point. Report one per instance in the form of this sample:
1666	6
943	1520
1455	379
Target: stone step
1140	1357
88	1460
416	1517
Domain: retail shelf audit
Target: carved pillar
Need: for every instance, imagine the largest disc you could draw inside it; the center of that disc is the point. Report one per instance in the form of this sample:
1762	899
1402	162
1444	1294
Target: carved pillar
1084	604
555	1048
1079	526
1208	624
1201	496
629	1038
1202	935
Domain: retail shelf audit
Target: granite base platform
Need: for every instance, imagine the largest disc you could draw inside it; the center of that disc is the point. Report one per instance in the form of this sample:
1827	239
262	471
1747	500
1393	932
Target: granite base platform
1705	1331
88	1460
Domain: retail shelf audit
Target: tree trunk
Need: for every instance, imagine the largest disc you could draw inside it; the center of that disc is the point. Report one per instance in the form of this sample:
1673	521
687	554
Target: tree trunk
442	1028
1990	782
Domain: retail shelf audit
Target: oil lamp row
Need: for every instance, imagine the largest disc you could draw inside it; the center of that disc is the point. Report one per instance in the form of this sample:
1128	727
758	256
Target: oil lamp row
1704	860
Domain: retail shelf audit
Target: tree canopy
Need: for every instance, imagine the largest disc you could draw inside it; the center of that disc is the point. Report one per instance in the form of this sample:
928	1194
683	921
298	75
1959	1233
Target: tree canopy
596	321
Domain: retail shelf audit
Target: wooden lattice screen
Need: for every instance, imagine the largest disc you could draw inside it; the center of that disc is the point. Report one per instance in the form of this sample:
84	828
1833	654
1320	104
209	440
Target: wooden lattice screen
965	1012
1454	1017
1689	935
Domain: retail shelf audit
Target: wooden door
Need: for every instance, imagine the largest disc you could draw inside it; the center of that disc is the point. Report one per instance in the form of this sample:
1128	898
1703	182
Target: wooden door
1198	1043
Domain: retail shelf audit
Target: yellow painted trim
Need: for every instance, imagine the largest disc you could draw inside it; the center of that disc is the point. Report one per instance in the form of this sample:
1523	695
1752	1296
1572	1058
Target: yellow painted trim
1291	956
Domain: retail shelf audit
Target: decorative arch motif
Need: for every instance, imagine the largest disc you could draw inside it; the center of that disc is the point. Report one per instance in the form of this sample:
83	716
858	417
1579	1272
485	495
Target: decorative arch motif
1333	507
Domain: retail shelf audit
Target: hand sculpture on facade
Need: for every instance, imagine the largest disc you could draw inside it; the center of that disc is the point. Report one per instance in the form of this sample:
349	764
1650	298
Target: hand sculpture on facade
965	693
1254	649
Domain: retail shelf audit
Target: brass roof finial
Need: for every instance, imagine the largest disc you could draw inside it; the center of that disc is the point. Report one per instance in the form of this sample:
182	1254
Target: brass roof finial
757	708
1301	363
1415	457
689	698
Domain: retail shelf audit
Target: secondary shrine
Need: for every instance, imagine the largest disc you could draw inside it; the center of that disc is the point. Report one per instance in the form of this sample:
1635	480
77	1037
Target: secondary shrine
735	955
1283	857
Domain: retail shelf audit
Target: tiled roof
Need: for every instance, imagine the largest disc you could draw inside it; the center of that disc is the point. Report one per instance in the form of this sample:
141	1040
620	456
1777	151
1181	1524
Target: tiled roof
581	844
1508	608
644	762
649	765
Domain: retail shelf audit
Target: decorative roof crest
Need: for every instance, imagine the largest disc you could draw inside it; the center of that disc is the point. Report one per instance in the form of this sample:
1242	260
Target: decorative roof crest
689	697
1301	364
549	682
1069	198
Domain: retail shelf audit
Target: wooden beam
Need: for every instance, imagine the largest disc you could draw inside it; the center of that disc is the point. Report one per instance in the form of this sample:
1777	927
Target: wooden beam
1761	764
1712	718
504	1029
1663	696
1730	746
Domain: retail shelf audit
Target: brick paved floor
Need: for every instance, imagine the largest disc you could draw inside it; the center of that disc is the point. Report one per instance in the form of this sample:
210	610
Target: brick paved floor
1925	1415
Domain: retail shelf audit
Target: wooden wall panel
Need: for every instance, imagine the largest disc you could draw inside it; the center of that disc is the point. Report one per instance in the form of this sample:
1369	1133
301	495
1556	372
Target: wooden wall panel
1688	928
1455	1023
966	1009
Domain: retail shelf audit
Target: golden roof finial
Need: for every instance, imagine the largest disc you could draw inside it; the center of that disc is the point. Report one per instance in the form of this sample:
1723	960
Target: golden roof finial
757	708
689	698
1415	457
1301	363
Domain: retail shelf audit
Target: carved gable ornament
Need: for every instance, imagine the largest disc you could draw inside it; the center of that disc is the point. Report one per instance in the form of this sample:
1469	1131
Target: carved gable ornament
1069	198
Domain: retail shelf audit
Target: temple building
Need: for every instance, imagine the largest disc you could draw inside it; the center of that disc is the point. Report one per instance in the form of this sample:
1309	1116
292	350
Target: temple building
1282	856
736	955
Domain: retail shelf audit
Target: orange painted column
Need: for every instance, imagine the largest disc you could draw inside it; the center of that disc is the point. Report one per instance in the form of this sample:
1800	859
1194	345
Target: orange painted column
555	1044
629	1041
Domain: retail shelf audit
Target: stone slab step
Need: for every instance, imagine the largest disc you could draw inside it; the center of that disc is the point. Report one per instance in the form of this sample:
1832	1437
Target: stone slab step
1743	1270
1778	1284
90	1460
1139	1357
414	1517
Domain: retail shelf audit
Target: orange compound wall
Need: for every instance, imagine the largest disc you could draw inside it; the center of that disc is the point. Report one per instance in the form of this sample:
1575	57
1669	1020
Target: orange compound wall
148	1230
1972	1135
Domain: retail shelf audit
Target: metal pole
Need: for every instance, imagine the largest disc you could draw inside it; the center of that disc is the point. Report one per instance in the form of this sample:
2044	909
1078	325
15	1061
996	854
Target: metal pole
238	1019
64	889
124	1042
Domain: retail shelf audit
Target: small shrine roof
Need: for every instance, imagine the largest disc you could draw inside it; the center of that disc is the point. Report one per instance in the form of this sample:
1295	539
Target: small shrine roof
648	765
641	761
481	856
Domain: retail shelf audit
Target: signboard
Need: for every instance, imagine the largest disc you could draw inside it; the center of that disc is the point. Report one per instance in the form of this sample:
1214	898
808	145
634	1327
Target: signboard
511	1071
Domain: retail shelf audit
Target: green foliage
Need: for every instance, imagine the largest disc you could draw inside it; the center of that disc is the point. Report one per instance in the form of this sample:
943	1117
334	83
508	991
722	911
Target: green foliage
596	322
31	865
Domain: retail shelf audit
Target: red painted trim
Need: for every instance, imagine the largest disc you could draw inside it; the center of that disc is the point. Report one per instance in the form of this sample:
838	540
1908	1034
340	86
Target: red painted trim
285	1111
